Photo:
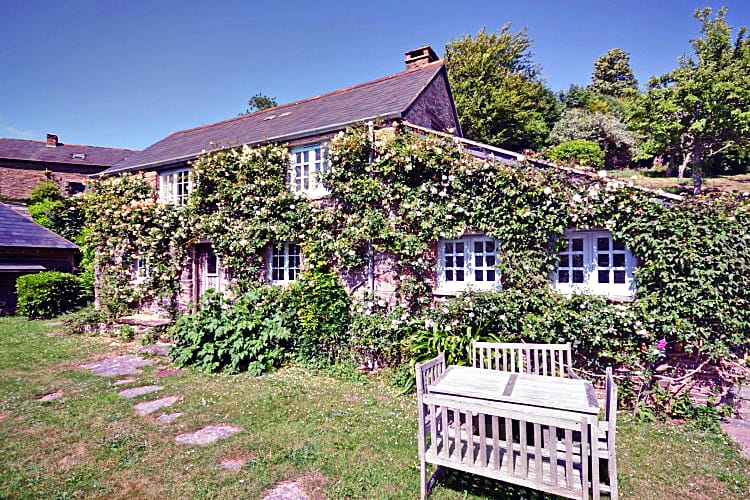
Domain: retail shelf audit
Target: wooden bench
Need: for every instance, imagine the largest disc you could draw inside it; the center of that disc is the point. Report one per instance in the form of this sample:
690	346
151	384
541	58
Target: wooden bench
553	360
538	448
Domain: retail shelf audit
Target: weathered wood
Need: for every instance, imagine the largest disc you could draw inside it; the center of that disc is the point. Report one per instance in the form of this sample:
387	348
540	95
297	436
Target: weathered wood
540	359
607	440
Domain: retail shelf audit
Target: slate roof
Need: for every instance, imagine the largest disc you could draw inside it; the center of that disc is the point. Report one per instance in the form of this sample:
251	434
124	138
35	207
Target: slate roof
19	231
386	98
23	149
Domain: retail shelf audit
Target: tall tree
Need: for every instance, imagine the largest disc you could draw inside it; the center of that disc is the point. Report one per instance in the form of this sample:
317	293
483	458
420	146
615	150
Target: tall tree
498	90
613	76
259	102
702	108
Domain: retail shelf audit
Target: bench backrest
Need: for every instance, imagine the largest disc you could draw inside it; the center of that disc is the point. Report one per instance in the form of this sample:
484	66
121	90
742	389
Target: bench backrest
554	360
610	408
429	371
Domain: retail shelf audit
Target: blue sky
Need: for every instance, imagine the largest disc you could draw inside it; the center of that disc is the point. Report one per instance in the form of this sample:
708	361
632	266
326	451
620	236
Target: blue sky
127	73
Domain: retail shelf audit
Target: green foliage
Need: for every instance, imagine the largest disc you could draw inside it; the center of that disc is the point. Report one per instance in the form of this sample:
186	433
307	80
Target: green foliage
87	320
45	191
47	294
699	110
259	102
322	307
611	133
498	90
251	334
578	152
376	334
613	76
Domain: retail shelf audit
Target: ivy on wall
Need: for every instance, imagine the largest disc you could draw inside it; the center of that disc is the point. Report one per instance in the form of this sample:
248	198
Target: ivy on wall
398	193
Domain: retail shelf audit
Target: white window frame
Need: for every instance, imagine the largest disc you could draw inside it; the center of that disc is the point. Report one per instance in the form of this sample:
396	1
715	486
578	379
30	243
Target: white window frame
449	271
311	161
170	183
282	258
591	267
141	269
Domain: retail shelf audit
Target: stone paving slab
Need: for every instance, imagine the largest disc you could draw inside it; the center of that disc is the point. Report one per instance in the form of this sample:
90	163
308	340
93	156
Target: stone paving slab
739	430
123	381
744	392
207	435
50	396
138	391
129	364
234	464
167	371
148	407
156	349
287	490
168	418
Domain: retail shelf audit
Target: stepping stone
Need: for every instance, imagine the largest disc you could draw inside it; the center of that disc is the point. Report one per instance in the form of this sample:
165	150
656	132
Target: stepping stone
50	396
137	391
207	435
129	364
167	371
148	407
287	490
739	430
156	349
167	418
123	381
234	464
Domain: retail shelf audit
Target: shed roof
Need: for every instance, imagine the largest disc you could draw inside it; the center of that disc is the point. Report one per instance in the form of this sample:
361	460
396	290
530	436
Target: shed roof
385	98
75	154
19	231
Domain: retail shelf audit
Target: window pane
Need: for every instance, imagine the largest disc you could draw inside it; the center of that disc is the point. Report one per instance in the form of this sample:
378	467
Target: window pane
577	244
460	247
577	276
490	260
478	247
618	260
478	275
618	246
448	275
602	243
449	248
619	276
563	276
489	246
460	261
211	263
459	276
448	261
478	260
565	261
491	275
602	260
578	260
603	276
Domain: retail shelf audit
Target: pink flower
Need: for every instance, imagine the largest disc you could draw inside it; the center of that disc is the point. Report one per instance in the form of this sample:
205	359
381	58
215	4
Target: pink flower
662	344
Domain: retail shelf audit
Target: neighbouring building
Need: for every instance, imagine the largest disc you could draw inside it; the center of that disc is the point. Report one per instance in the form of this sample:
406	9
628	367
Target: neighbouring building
25	163
25	248
421	96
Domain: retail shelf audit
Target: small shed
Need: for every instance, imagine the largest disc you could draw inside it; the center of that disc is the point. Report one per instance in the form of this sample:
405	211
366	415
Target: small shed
25	248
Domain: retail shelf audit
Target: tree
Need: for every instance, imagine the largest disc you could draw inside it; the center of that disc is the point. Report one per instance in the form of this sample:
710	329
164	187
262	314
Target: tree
702	108
611	133
498	90
259	102
613	76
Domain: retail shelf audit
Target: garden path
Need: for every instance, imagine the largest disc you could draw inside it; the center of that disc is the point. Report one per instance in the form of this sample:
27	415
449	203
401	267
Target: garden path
739	428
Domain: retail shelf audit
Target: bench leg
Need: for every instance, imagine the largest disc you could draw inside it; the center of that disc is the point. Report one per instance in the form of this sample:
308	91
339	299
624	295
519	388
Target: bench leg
423	480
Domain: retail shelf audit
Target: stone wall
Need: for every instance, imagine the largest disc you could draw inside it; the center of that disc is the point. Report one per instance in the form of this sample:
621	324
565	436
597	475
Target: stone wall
19	178
434	107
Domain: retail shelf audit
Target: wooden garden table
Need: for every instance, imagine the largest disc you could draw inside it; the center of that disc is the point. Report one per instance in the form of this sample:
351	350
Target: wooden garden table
531	393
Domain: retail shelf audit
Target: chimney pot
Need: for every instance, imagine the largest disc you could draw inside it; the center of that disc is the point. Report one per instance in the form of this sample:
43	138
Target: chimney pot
52	141
419	57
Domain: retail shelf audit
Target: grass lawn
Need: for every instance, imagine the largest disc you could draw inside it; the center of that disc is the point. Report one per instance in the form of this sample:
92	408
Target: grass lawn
345	438
655	179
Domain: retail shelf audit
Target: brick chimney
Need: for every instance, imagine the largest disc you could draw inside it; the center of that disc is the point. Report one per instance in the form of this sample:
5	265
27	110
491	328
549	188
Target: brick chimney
419	57
52	141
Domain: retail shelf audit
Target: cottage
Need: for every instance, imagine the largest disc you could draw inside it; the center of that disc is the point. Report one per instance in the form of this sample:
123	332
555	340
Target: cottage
24	164
419	96
25	248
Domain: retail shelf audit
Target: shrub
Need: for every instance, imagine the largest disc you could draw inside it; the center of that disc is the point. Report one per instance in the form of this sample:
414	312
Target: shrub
47	294
376	336
322	306
579	152
44	191
87	320
251	334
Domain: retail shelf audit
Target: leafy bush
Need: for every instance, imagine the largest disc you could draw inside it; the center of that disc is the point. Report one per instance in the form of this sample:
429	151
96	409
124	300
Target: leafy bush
47	294
322	306
45	191
579	152
251	334
376	336
87	320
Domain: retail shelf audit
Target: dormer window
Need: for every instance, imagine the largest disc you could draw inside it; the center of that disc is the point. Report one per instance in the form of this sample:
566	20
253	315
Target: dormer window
307	165
175	186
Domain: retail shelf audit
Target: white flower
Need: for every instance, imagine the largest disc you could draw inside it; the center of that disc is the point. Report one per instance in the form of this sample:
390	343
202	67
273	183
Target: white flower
577	198
548	190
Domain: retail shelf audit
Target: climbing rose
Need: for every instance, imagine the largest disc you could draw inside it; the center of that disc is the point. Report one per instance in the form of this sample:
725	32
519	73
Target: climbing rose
661	344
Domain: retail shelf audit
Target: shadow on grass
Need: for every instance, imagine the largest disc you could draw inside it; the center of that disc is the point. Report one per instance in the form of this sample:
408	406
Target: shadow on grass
483	487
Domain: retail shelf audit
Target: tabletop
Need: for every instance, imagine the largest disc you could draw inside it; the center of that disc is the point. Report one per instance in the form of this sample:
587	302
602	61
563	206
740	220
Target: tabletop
554	393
